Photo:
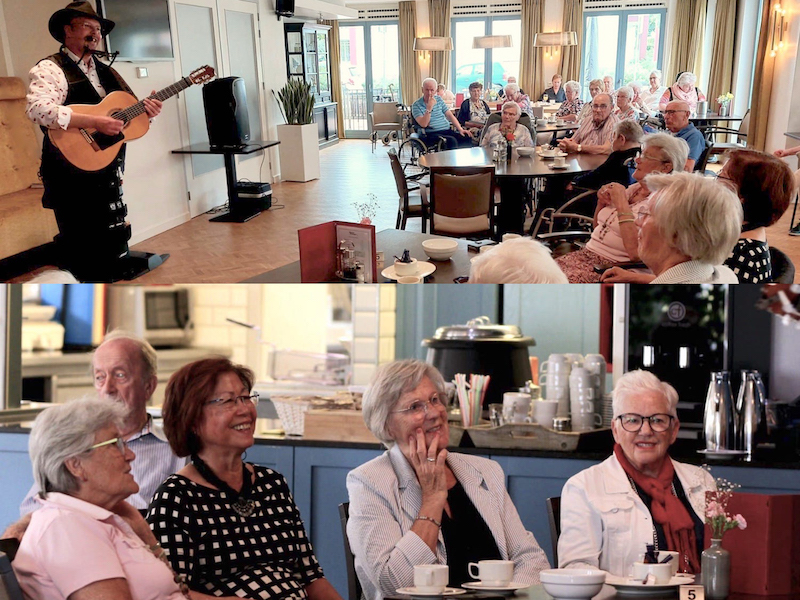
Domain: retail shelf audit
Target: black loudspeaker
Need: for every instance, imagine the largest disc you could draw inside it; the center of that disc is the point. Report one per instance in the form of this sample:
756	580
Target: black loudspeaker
284	8
225	102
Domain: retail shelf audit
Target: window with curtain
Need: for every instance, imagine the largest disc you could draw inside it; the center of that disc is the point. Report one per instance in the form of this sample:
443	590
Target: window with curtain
491	67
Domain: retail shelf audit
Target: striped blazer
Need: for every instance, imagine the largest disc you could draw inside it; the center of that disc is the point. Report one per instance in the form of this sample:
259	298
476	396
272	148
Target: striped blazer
385	498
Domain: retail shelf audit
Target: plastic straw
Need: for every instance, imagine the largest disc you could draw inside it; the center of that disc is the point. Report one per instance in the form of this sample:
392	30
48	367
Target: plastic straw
470	396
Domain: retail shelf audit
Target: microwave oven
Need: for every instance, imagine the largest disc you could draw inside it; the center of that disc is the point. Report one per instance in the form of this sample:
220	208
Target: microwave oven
161	315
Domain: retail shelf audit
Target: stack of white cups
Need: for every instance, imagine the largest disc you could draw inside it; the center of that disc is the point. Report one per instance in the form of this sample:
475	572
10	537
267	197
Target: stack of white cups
555	381
595	365
581	397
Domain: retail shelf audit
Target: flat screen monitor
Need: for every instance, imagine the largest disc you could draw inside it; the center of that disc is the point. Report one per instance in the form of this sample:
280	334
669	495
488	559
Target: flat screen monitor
142	30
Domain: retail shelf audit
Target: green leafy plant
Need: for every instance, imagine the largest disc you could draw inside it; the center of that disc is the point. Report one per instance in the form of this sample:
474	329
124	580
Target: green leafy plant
296	102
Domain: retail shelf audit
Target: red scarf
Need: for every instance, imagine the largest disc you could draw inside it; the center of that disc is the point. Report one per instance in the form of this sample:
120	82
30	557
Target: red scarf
667	510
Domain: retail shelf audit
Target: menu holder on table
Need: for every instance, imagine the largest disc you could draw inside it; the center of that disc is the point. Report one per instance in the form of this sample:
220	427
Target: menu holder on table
318	246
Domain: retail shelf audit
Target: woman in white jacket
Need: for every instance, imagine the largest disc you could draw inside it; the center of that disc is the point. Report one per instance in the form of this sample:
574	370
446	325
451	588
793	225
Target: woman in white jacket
639	495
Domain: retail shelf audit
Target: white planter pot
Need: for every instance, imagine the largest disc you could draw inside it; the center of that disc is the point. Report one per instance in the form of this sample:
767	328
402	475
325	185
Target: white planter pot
299	152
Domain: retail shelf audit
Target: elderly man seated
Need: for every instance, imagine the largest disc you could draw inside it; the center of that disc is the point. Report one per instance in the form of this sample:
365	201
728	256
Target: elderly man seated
676	117
594	136
431	113
518	260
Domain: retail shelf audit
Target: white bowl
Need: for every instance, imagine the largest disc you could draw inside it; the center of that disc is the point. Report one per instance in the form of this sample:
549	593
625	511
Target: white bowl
572	584
525	151
402	269
439	249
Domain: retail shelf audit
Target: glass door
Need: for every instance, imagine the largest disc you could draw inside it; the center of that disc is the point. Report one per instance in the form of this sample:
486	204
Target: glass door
624	44
367	76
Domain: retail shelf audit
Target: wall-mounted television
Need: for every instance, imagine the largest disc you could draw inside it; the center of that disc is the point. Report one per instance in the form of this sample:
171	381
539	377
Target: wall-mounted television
142	31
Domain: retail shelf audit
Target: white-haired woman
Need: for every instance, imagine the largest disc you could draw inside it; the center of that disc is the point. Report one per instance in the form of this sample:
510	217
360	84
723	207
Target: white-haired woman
508	129
595	87
419	504
615	235
86	541
651	96
519	260
625	108
573	104
687	229
684	89
514	93
639	495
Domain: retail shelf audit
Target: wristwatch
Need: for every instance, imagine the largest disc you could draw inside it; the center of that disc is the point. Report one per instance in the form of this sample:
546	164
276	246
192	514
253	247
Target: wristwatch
580	148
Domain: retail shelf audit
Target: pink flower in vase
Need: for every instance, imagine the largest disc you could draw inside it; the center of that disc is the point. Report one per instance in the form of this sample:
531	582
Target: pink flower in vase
366	221
740	522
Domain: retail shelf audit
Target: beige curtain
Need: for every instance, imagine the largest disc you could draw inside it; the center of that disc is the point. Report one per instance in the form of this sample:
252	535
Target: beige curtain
410	78
571	55
530	67
762	84
686	50
722	53
439	11
336	76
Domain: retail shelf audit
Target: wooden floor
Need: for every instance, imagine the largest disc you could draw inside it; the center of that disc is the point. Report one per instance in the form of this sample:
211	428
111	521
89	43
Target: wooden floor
202	251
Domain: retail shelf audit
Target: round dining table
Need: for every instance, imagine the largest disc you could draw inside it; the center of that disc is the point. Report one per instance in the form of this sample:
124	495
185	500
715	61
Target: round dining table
512	177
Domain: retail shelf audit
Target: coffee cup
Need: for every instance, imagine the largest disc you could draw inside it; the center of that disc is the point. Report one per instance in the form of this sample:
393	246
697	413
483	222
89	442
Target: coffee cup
585	420
661	555
409	279
556	363
559	161
494	573
521	403
560	121
402	268
485	249
510	236
544	411
430	579
546	151
661	571
575	359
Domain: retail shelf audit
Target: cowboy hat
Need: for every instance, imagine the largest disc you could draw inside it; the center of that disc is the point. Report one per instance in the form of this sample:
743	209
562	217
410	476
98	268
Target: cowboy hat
79	8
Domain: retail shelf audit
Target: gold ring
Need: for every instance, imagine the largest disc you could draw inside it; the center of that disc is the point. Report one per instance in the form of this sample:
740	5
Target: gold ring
429	459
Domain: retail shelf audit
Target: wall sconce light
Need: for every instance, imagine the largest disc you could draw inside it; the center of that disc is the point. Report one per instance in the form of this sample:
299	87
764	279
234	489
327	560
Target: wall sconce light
491	41
553	40
779	27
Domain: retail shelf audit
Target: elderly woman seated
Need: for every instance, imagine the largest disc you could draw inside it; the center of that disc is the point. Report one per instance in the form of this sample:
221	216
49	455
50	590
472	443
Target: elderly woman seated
639	495
508	129
651	96
514	94
571	108
518	260
474	111
420	504
687	229
625	108
86	541
230	528
683	89
615	235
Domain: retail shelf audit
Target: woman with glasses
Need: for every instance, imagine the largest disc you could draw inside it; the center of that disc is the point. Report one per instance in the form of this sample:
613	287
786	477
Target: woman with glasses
419	504
86	541
615	235
639	495
231	528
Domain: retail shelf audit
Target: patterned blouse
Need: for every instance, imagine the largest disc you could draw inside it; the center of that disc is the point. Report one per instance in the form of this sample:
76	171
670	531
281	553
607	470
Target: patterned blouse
631	113
750	261
522	136
570	108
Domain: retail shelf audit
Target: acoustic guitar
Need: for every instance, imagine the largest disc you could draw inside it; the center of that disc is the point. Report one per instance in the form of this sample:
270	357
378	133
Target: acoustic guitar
90	150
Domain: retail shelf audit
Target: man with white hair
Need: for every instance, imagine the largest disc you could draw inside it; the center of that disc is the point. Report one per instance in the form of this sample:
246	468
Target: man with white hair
124	370
432	114
676	117
594	136
518	260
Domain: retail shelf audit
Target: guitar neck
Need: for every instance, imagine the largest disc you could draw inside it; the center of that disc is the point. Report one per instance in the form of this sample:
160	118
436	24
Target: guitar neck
137	109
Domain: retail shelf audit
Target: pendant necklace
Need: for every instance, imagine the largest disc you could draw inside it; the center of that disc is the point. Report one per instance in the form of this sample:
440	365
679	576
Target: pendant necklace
240	501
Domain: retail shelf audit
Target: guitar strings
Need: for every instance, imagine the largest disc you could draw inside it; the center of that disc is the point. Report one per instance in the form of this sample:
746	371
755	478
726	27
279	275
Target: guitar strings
137	109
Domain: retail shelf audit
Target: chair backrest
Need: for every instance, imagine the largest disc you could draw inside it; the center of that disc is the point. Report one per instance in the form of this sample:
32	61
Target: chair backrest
569	214
702	161
9	586
554	516
783	270
353	584
385	112
744	128
462	199
496	117
399	176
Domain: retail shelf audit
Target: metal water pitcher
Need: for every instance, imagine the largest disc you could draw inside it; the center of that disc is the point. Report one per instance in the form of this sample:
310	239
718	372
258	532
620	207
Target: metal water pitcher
719	422
752	412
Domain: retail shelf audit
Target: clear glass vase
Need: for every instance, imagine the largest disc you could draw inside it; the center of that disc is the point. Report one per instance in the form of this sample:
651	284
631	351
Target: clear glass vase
715	565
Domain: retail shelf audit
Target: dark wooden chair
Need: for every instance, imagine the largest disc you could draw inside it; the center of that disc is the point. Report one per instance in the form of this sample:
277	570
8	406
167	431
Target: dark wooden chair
554	516
353	584
9	586
411	202
461	201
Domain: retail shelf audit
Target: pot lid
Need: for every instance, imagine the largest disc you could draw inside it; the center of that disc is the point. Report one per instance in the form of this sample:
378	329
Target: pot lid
480	328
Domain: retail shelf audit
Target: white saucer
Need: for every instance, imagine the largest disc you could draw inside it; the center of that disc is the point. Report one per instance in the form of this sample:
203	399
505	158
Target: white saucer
558	167
632	587
424	269
722	454
511	587
548	157
412	591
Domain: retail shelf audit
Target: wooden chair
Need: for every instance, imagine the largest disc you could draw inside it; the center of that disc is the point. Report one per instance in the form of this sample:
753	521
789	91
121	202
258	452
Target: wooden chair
353	584
461	201
9	586
384	117
554	517
411	202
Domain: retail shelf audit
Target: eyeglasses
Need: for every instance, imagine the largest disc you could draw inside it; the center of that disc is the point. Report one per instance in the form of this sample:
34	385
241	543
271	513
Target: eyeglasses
420	407
642	156
230	403
599	106
632	422
672	112
724	178
121	445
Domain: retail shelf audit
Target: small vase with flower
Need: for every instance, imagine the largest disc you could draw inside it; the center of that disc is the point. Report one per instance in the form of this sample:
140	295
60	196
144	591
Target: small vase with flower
715	562
724	102
509	138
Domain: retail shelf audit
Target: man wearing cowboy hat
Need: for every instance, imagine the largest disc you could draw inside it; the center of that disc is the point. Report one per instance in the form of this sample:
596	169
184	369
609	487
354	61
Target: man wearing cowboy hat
93	234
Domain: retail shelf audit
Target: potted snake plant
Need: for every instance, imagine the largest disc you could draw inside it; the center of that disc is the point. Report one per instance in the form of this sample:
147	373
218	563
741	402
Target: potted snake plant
299	149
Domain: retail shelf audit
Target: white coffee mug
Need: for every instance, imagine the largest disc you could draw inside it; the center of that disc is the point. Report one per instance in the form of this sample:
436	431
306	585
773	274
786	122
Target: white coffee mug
522	406
431	579
674	562
494	573
510	236
585	420
575	359
544	411
559	161
662	572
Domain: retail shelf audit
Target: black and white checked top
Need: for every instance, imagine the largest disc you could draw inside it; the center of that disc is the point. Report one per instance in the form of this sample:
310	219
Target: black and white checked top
750	261
265	555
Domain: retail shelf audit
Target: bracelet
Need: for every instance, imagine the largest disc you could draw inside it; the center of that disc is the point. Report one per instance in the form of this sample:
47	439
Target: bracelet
625	214
431	519
621	221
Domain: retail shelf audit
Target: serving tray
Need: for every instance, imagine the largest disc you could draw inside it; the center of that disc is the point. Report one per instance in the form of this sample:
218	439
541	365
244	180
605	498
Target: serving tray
535	437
